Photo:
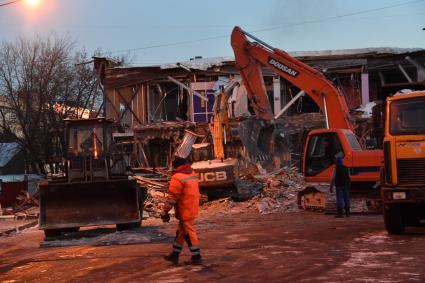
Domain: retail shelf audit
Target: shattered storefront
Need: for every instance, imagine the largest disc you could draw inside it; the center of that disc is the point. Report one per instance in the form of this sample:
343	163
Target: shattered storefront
156	106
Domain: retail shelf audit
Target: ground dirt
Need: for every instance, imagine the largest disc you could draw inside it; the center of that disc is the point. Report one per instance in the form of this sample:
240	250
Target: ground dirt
277	247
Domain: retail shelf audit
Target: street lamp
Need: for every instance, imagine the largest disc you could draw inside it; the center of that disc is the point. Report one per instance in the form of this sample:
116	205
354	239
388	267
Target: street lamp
32	3
9	3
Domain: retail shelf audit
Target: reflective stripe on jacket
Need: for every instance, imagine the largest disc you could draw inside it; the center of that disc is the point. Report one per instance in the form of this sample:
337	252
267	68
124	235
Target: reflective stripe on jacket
183	195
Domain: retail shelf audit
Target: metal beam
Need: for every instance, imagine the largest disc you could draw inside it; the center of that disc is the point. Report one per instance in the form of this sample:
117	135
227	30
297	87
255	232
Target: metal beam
420	70
381	77
191	91
409	79
326	111
128	106
131	100
107	99
289	104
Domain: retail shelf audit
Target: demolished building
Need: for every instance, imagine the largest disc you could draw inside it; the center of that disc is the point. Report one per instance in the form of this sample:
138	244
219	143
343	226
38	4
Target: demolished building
155	106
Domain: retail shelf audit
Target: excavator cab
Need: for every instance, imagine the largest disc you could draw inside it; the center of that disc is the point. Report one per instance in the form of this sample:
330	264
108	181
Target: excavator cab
95	189
322	150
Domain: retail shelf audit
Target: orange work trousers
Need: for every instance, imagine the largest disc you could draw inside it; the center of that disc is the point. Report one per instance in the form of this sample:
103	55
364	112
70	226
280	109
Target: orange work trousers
186	232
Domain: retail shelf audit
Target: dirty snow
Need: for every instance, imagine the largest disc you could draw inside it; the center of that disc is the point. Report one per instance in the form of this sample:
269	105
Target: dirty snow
206	63
374	238
200	64
356	51
408	91
135	236
213	163
7	152
368	259
366	109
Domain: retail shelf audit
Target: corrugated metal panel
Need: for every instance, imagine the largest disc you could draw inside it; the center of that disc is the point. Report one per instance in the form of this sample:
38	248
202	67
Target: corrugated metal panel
185	147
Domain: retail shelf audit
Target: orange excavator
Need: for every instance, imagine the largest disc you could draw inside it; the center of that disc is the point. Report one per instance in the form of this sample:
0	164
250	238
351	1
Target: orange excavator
323	145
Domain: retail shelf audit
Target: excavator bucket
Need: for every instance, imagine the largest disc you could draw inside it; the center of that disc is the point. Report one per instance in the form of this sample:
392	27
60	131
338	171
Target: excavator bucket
72	205
258	139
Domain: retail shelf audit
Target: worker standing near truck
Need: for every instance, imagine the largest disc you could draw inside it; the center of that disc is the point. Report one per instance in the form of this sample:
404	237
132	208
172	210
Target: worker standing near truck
183	195
341	179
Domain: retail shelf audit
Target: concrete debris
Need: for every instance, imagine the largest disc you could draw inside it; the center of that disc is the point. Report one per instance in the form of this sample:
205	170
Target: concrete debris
263	193
154	202
156	194
26	207
277	193
246	189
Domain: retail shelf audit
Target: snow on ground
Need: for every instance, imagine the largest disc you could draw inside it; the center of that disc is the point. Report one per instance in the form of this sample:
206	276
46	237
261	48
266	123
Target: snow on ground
106	238
7	152
366	109
199	64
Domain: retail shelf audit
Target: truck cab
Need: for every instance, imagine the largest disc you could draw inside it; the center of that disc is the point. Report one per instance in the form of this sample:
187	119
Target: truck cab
403	177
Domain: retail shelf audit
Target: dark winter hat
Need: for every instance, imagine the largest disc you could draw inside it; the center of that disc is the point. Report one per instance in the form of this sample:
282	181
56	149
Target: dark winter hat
179	161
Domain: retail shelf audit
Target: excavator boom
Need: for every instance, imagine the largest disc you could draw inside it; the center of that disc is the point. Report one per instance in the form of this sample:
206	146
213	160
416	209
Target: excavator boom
251	56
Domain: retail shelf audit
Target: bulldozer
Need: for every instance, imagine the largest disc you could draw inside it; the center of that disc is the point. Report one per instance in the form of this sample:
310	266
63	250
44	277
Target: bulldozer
95	188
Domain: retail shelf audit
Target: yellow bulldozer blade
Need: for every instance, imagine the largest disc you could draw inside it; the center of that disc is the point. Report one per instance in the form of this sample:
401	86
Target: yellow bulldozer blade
71	205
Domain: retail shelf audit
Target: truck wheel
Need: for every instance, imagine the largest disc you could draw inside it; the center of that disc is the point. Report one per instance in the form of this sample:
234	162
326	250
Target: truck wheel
49	233
125	226
393	219
138	224
72	229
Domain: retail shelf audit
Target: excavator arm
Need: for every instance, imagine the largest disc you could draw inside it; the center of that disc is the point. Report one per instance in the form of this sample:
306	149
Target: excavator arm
251	56
322	145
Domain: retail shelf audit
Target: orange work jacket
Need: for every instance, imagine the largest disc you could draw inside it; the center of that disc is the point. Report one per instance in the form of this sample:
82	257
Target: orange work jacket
183	193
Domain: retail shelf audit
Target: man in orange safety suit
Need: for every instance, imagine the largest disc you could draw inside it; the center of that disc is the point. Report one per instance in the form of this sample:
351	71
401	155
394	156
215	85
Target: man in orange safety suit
183	195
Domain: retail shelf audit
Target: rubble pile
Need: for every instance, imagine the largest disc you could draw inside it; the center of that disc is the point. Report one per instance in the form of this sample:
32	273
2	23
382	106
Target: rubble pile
156	187
263	193
154	202
26	207
303	121
278	194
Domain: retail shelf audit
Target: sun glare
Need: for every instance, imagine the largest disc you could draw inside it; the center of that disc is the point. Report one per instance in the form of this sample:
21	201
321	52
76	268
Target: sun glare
32	3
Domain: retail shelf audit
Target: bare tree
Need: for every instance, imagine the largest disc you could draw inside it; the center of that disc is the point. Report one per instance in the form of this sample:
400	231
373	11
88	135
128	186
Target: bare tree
42	82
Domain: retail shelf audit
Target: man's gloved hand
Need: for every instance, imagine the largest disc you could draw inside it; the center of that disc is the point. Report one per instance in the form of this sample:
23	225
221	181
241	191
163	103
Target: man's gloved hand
165	217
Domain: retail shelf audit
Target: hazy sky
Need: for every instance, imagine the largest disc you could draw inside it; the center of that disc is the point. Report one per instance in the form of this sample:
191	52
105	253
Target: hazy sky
292	25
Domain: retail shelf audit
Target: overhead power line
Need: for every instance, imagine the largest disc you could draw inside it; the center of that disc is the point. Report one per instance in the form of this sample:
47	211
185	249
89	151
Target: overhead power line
9	3
270	28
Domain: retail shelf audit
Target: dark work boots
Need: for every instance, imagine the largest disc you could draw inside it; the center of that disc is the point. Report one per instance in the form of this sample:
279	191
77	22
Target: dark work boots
196	259
338	213
347	212
173	258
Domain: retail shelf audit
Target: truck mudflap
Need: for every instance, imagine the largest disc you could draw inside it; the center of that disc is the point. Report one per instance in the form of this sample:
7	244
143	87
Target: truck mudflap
70	205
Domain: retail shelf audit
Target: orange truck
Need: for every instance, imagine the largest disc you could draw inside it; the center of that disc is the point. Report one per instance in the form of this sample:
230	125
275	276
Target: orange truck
323	145
403	177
